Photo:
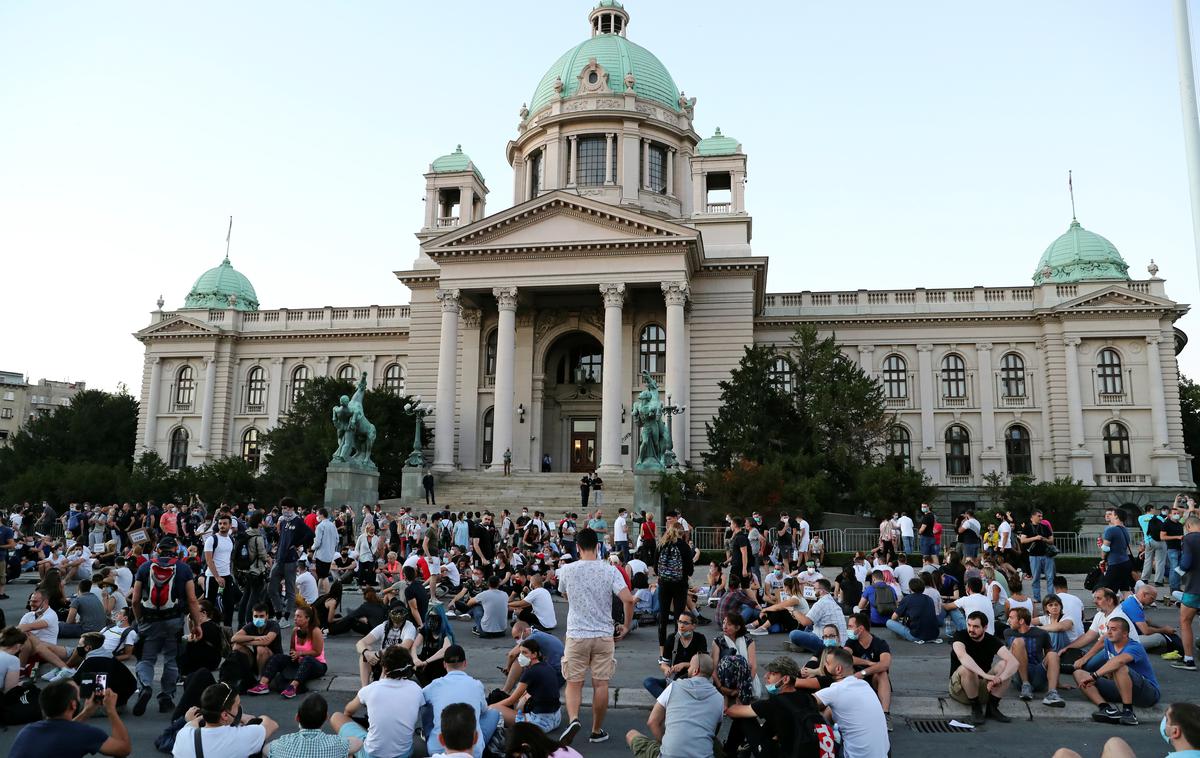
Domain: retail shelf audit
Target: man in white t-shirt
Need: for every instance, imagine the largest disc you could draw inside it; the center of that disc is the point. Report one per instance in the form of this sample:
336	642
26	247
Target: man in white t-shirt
1005	530
856	709
621	534
974	600
306	583
589	585
801	534
537	607
218	559
637	566
906	531
1071	605
41	626
218	709
397	698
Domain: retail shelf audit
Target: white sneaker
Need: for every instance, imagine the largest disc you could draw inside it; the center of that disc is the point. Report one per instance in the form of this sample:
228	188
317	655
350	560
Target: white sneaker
64	674
758	631
51	675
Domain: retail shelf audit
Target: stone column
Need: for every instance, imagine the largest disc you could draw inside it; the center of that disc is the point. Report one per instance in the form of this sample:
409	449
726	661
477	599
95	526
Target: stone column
466	206
443	430
368	368
151	439
866	359
608	166
506	349
530	167
926	379
671	171
1163	460
645	163
676	294
574	172
1081	460
990	458
610	411
206	414
274	390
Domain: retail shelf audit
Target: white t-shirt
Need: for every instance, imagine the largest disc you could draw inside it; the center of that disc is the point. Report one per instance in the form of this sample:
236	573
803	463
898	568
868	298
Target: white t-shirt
621	529
971	603
396	704
226	741
589	587
124	579
637	566
802	529
1073	609
973	525
861	572
221	548
1100	623
1000	598
112	637
809	576
47	634
859	717
906	525
904	574
306	585
408	633
451	572
936	597
8	662
1005	535
543	606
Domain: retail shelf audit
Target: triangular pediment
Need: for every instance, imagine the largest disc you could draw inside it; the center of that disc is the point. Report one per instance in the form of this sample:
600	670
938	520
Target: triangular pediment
177	326
1115	297
560	218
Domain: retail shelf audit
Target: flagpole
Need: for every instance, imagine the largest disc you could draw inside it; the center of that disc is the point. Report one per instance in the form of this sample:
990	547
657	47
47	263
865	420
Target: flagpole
228	236
1191	119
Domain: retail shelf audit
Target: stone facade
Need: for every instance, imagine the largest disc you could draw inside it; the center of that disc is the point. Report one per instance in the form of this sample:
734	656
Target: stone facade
21	402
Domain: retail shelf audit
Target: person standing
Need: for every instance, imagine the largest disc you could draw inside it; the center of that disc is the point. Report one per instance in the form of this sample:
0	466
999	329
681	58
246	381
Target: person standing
325	548
250	566
621	534
600	526
293	533
970	537
674	568
508	461
597	490
585	492
1114	546
1154	565
589	585
1189	597
221	588
1037	540
907	530
925	531
1172	536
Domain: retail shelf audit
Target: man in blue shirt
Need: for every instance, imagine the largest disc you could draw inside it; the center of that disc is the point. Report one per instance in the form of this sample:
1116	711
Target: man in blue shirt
163	591
457	686
59	734
552	651
879	616
1126	675
1115	548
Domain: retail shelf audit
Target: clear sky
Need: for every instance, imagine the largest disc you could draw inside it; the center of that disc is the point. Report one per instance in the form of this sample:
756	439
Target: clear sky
891	144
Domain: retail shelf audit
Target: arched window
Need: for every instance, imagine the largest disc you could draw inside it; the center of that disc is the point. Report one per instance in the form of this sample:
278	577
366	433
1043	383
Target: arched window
895	377
781	374
958	451
346	373
1116	449
251	453
1109	371
179	448
489	353
393	379
954	376
256	389
899	446
300	378
1012	375
1017	451
185	388
652	349
489	422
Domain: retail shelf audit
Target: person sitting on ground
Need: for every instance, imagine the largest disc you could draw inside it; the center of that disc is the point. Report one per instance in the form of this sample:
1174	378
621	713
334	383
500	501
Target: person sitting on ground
527	741
552	651
41	626
474	584
12	640
204	653
96	660
309	741
537	607
1125	676
308	657
915	619
1086	651
329	604
972	602
65	733
458	735
490	610
86	613
1055	623
737	600
535	698
457	686
685	717
792	722
879	598
1179	728
781	616
859	717
221	728
259	639
826	611
398	629
1029	645
683	645
973	661
848	589
429	648
392	571
397	696
369	614
1151	636
872	657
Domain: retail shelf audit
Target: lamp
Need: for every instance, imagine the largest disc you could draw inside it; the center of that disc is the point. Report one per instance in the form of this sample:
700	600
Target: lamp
521	412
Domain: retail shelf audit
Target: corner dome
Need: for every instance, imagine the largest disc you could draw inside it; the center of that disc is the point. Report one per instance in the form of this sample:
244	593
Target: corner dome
619	57
222	287
452	163
1080	255
718	144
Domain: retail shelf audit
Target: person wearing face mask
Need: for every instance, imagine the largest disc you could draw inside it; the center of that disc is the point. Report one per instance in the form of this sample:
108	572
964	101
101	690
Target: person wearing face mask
293	534
783	542
685	717
535	699
259	639
824	612
215	729
683	645
792	725
1172	537
1179	728
1154	565
925	531
397	631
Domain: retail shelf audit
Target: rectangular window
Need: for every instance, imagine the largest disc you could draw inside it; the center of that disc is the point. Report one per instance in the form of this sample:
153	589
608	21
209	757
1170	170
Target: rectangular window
591	152
658	169
535	174
6	413
9	396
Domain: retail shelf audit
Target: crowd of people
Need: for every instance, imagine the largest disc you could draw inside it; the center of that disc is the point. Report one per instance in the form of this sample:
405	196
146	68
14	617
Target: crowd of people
201	608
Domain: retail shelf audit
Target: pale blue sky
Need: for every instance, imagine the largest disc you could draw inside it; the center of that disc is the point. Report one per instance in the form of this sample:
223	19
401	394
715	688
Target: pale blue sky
891	144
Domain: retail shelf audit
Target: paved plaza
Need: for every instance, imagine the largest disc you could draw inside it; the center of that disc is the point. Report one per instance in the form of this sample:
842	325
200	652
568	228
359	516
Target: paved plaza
919	676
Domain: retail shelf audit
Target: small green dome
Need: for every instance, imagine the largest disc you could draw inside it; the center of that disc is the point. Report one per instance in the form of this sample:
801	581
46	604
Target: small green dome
222	287
718	144
1080	255
618	56
609	4
451	163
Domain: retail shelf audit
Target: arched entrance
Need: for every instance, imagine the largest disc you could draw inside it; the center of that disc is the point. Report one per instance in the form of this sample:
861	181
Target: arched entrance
573	374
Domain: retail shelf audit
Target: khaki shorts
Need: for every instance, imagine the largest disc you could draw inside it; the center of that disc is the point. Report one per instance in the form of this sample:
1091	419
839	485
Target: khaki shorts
644	747
956	688
592	653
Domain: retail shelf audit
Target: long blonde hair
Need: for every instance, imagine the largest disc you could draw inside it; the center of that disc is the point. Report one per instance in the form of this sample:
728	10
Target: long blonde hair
673	533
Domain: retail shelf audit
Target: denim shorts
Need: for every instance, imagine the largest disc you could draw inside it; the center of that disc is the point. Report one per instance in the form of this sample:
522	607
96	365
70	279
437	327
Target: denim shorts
545	721
1190	600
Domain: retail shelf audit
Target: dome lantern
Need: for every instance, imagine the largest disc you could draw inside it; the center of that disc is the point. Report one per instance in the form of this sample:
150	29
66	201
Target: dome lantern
608	17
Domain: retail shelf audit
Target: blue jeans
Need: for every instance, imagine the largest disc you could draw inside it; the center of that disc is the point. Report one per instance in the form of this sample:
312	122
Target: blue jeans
928	546
1039	566
160	638
901	630
654	686
970	550
958	619
806	641
623	550
908	544
749	613
1172	564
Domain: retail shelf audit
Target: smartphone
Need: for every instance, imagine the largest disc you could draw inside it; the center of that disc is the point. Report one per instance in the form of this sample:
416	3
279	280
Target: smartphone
101	683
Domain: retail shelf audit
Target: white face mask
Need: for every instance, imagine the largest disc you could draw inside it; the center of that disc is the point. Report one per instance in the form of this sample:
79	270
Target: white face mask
523	660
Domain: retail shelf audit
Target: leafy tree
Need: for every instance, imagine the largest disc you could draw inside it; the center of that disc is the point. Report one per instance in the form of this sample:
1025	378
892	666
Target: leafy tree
1189	408
151	479
891	488
1061	500
225	480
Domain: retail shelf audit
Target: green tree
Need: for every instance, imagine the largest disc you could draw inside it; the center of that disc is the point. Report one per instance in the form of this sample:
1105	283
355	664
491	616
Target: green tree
890	488
1189	408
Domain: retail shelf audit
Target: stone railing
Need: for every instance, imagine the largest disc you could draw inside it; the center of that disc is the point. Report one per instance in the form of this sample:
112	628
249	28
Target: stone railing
1112	480
309	319
445	222
718	208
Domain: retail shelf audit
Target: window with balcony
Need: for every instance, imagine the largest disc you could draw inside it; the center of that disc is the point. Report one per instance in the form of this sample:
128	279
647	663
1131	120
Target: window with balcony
179	449
652	349
256	390
1108	372
251	452
899	446
393	379
1116	449
1017	451
954	376
781	374
300	379
185	388
718	192
958	451
895	377
1012	375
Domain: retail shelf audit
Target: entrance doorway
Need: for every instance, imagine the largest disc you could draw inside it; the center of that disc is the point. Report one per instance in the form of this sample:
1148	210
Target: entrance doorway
583	444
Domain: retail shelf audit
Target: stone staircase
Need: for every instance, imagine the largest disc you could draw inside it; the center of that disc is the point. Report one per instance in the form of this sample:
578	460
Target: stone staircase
554	493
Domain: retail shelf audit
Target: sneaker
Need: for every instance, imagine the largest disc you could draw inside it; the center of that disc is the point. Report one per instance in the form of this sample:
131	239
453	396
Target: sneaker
570	732
289	692
1107	713
166	704
758	631
51	675
1129	718
600	736
63	674
1026	691
918	642
1173	655
143	699
1188	664
258	689
1054	700
939	641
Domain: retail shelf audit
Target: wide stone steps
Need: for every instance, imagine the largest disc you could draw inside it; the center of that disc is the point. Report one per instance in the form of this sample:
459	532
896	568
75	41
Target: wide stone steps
554	493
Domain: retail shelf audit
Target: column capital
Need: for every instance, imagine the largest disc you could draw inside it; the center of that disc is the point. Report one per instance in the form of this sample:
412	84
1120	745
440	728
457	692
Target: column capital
506	298
573	137
449	298
1153	339
1072	342
471	317
646	140
613	294
155	359
983	347
866	348
924	348
276	361
675	293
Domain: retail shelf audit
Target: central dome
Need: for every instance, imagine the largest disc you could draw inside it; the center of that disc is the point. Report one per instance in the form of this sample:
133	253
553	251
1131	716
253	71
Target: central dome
222	287
618	56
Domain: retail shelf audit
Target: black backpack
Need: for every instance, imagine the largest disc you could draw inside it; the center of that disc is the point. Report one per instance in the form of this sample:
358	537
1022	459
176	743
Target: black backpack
885	599
20	705
243	559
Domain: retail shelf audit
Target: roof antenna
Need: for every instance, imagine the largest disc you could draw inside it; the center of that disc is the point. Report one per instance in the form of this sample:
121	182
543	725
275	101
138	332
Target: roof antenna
1070	189
229	234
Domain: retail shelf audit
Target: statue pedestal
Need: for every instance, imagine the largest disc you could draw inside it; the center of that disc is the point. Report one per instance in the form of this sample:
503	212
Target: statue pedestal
350	485
644	496
411	491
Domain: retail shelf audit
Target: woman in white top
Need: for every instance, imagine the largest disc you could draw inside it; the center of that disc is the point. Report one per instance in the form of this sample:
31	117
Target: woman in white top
779	617
1054	622
1017	599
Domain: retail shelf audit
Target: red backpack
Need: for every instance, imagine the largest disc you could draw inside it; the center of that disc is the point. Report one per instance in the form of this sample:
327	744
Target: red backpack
158	600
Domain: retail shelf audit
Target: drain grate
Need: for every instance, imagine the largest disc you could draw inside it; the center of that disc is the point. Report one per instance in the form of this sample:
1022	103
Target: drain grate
935	726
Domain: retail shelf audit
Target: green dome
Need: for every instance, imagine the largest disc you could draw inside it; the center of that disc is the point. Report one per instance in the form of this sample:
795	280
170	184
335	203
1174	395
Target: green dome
217	286
619	57
718	144
1080	255
454	162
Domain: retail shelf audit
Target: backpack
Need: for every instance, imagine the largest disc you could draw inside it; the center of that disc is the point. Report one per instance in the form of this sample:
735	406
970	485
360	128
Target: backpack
73	523
885	600
670	564
159	601
243	557
20	705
